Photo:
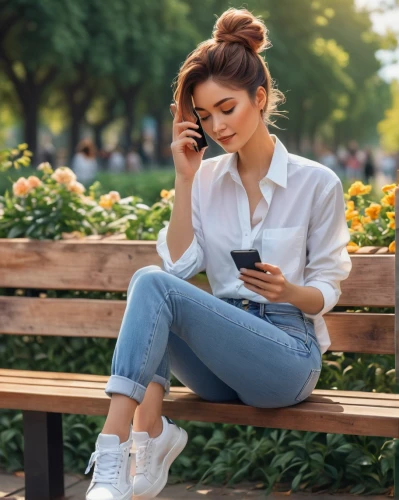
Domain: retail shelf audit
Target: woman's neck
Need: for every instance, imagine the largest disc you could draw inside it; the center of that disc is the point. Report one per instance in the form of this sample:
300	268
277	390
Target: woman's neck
255	157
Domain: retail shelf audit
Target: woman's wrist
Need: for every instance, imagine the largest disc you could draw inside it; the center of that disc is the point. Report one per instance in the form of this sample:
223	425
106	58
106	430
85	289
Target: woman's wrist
181	181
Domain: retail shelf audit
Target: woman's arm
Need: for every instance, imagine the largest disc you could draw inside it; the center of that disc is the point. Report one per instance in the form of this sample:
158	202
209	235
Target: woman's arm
180	230
307	298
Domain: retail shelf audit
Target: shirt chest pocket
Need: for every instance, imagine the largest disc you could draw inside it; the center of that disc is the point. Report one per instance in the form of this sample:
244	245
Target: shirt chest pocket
282	247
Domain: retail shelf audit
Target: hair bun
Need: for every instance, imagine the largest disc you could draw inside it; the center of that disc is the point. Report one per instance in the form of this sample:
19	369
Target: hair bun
241	26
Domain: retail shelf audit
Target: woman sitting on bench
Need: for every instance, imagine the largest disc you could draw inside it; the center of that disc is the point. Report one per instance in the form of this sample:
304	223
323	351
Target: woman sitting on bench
261	335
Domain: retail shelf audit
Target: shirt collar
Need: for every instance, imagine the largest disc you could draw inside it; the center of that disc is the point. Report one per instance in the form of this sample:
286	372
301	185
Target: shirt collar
278	167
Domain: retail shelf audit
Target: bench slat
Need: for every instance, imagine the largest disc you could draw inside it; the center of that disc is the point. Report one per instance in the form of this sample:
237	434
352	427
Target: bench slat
350	332
108	266
102	380
317	397
307	416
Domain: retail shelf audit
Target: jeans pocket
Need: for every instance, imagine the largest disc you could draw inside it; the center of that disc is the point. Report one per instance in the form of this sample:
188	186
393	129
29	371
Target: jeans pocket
309	385
293	324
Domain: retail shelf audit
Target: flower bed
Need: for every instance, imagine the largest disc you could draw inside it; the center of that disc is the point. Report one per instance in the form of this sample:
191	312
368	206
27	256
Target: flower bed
54	205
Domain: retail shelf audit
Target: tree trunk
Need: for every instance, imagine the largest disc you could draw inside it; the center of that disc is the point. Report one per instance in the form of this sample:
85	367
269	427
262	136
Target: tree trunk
129	121
98	136
31	111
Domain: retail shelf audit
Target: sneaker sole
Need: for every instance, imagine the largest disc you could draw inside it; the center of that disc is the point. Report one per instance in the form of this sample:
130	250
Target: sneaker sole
126	496
160	483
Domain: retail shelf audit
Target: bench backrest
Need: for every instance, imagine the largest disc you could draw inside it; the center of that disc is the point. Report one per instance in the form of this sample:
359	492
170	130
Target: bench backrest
108	264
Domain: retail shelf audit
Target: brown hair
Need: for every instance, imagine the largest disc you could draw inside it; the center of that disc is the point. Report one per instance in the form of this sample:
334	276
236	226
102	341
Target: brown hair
230	58
87	147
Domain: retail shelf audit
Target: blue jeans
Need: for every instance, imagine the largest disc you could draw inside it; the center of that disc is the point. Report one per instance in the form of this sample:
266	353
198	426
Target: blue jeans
265	355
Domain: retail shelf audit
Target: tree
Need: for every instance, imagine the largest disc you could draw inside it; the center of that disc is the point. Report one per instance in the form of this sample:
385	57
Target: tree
34	36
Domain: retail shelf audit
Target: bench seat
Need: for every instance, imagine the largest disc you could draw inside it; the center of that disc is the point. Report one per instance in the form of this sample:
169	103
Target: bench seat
344	412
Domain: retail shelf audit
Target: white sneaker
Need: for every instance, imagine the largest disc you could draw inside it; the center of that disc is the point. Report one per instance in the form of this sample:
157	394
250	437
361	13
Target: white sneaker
111	477
154	456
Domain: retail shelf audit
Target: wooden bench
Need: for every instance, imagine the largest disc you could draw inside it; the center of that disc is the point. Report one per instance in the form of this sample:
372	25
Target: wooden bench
108	266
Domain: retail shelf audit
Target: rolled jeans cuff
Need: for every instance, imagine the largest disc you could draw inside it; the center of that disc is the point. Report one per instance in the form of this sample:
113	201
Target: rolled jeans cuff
162	381
122	385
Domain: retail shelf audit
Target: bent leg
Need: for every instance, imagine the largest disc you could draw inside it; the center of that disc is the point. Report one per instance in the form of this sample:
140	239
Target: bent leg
263	364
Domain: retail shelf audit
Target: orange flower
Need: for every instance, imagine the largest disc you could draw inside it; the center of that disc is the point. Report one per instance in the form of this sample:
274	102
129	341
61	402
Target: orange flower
389	200
352	247
21	187
164	193
64	175
388	187
358	188
357	225
34	182
392	247
114	196
106	202
76	187
373	211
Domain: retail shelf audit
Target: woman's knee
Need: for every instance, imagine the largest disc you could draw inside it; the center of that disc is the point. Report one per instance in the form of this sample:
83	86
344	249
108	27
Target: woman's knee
141	272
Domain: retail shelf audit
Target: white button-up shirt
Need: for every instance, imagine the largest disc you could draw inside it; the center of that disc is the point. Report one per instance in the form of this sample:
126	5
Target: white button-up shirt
302	228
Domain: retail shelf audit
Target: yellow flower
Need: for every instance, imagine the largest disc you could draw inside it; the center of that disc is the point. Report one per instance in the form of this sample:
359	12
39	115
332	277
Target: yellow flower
106	202
22	146
389	200
392	247
357	225
164	193
351	205
352	247
350	214
365	220
391	215
45	167
358	188
34	182
373	211
64	175
21	187
388	187
114	196
76	187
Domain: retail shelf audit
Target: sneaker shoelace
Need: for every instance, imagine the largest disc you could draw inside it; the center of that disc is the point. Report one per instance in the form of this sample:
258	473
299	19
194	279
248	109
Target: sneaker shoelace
108	465
142	458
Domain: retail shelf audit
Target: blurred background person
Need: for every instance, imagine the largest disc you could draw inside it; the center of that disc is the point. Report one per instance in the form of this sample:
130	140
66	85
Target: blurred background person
330	160
133	161
47	151
116	161
354	162
369	166
84	162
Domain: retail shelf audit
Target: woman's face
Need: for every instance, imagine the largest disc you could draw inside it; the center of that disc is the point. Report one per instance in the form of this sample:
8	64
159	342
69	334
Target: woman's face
228	113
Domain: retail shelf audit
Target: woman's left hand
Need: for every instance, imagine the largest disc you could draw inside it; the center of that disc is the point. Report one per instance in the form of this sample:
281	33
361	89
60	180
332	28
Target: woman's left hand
274	287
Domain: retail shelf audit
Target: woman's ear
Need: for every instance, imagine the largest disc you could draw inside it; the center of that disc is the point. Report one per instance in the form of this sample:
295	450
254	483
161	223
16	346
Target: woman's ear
261	98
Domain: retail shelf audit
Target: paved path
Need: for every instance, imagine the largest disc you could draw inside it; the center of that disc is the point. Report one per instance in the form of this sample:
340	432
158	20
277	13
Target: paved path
12	488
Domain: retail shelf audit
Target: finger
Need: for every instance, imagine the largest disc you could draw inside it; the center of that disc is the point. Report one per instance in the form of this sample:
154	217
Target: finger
189	142
256	282
268	267
186	125
189	133
261	275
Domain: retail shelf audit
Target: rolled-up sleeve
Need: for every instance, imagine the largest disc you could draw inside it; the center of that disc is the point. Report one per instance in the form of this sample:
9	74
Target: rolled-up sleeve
193	259
328	262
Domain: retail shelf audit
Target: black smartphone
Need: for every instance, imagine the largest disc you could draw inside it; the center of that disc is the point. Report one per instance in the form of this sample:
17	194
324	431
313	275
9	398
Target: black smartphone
246	258
201	141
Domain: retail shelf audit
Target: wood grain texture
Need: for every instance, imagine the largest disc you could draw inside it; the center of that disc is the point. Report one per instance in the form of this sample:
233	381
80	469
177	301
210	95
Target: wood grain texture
108	265
349	332
322	412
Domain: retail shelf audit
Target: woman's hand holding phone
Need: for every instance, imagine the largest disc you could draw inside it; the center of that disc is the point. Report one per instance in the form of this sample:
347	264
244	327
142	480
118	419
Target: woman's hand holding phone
186	159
